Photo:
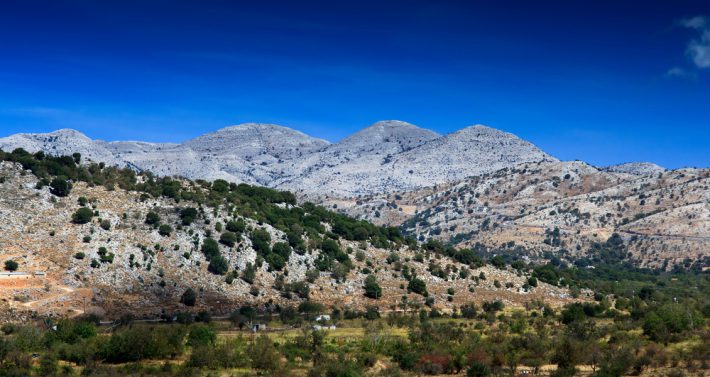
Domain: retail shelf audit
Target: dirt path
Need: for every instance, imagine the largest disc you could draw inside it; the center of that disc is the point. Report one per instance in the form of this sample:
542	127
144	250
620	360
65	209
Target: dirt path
611	230
64	291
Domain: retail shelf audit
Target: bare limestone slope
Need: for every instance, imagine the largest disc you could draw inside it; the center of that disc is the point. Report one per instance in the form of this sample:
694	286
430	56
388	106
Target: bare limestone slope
148	272
665	216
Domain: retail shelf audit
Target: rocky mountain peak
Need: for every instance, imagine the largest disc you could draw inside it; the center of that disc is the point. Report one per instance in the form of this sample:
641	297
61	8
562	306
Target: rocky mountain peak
481	132
60	142
393	124
66	132
386	137
252	139
393	127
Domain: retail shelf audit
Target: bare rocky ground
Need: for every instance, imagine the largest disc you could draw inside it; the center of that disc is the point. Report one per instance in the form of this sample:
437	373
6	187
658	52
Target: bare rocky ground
664	215
149	272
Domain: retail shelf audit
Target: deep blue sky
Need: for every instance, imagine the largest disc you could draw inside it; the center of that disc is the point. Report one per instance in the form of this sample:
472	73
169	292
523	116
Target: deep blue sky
605	82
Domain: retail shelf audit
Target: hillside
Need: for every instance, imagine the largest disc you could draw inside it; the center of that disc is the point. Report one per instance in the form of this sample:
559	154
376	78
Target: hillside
665	215
145	241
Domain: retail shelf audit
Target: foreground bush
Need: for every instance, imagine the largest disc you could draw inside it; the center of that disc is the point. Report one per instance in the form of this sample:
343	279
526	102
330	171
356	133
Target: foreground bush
140	342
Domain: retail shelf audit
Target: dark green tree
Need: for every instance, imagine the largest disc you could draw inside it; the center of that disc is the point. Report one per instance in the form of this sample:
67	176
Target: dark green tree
372	288
228	238
218	265
189	297
82	216
249	273
210	248
236	226
60	186
152	218
417	285
165	230
11	265
188	215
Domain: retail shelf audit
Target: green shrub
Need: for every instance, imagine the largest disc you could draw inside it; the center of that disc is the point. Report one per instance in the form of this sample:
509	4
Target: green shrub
188	215
228	239
82	216
189	297
201	335
263	354
249	273
417	285
532	281
372	288
210	248
152	218
11	265
275	261
60	187
165	230
218	265
139	342
236	226
478	369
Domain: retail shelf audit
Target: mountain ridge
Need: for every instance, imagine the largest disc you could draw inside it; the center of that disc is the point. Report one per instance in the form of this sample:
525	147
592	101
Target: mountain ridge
389	155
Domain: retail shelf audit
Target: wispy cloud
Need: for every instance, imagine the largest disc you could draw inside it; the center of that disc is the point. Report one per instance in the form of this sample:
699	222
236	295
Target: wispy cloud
40	112
680	72
699	47
697	22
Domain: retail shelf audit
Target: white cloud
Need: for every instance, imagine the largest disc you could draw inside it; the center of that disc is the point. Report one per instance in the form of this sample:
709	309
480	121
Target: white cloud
697	22
699	48
676	71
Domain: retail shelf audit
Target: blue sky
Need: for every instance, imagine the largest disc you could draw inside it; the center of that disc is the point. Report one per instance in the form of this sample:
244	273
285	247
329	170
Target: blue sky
601	81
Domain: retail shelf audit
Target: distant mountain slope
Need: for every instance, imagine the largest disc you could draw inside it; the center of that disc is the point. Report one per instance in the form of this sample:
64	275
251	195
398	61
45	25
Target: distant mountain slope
252	140
470	151
369	162
60	142
665	215
636	168
387	156
383	138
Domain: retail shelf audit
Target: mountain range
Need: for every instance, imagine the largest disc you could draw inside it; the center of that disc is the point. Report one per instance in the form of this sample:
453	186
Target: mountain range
477	188
387	156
